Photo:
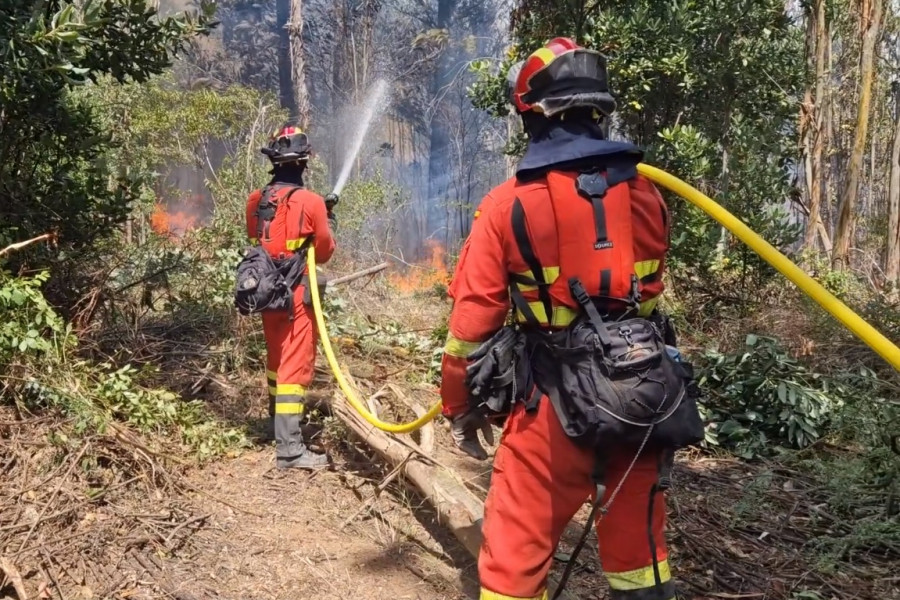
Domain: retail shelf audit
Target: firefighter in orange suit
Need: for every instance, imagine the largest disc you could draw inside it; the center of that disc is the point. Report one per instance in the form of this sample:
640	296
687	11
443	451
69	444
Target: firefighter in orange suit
286	219
540	477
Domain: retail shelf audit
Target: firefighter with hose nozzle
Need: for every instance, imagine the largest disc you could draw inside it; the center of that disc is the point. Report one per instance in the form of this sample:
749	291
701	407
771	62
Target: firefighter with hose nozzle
284	220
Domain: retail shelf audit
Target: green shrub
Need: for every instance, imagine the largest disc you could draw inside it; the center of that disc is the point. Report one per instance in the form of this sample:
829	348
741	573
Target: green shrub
760	395
28	324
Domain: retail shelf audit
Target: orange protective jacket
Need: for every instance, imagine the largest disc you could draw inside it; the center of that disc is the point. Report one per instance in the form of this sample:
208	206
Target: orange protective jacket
558	220
300	214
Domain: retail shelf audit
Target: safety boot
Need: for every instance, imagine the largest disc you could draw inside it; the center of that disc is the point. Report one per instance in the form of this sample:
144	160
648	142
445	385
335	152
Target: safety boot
307	460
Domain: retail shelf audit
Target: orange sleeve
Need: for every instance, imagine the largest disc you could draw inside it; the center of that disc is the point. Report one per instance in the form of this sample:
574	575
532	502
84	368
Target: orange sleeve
480	307
481	209
252	203
311	218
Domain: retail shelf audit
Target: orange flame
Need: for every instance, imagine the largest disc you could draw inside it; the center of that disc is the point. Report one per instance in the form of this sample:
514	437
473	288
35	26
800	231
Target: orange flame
425	275
171	223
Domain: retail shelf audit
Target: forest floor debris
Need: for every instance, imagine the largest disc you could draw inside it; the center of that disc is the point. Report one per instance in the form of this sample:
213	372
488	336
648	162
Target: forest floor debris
119	514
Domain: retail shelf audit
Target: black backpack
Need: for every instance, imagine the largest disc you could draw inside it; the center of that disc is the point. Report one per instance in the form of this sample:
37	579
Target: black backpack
264	283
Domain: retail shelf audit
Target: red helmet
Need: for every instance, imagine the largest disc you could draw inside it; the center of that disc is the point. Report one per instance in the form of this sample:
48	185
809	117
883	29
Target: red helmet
288	144
559	76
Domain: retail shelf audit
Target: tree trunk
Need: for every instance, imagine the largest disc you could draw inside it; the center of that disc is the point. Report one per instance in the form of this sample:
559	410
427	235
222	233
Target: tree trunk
815	126
439	152
298	65
870	21
892	260
285	83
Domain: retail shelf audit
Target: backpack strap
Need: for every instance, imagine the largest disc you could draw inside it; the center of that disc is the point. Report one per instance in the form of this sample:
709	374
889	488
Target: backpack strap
265	210
520	232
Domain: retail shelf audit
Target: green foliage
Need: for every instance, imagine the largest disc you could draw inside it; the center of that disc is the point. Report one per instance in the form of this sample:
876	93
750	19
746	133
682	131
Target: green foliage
53	148
97	395
712	100
40	373
760	396
366	215
28	324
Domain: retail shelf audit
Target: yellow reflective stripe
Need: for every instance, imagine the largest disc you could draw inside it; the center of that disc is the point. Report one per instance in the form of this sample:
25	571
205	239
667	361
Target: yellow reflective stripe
273	390
295	244
647	307
459	348
489	595
272	375
562	315
639	579
254	241
545	54
551	274
290	389
646	267
289	408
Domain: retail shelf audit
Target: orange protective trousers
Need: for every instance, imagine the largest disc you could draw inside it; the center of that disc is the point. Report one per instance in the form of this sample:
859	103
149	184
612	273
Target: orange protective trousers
290	349
540	480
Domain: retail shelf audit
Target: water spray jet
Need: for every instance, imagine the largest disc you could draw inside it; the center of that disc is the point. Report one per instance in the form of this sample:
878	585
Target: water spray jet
374	103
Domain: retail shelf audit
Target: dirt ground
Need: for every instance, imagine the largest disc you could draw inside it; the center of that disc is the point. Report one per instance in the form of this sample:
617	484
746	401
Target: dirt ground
115	516
294	535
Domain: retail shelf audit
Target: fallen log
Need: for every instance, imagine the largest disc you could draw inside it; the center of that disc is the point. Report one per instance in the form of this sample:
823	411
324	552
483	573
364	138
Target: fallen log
358	274
456	506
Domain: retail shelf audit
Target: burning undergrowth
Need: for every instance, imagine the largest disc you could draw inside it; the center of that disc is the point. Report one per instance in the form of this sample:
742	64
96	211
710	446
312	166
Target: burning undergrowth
430	274
174	217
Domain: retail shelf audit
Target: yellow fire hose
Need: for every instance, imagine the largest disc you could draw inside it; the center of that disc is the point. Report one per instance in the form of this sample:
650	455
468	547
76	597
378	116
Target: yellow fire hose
808	285
339	375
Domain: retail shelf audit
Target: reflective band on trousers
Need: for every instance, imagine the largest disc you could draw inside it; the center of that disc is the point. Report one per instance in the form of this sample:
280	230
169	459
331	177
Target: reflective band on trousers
489	595
459	348
289	408
290	389
668	593
272	378
295	244
639	579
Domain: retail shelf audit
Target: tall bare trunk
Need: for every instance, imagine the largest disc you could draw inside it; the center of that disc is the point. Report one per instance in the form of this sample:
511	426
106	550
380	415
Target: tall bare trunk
870	20
298	65
285	83
439	149
892	260
816	131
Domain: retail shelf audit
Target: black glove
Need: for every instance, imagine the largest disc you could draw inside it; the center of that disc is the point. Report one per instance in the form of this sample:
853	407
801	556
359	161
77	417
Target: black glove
331	201
464	429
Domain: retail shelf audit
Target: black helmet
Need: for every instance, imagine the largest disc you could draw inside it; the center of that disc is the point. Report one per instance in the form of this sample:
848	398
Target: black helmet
559	76
288	144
